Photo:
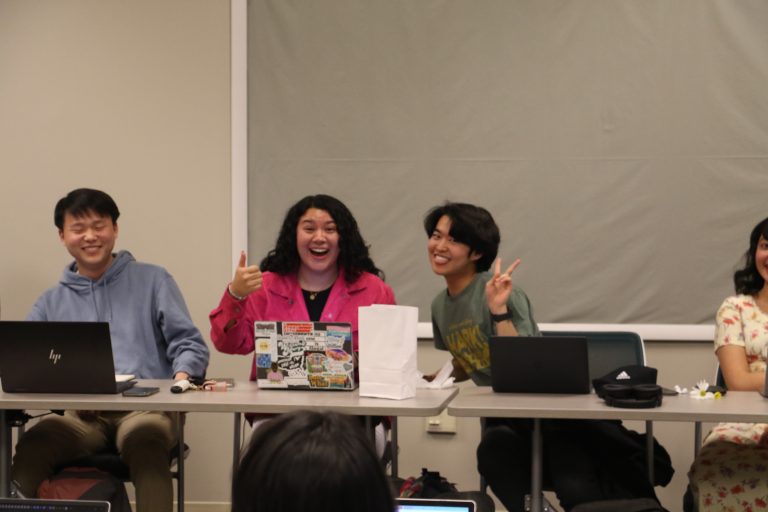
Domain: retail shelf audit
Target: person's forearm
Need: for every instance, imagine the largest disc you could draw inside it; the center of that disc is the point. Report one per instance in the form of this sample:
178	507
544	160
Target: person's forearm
752	381
506	328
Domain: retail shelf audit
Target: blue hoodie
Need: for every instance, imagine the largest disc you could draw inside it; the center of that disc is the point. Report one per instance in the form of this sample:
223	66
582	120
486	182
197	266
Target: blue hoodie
153	336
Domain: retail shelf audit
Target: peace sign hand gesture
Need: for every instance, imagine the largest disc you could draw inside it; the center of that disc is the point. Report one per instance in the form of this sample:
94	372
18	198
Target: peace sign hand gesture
498	288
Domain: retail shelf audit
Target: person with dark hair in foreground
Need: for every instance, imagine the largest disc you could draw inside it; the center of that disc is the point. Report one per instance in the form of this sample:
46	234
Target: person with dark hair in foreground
319	270
306	460
729	472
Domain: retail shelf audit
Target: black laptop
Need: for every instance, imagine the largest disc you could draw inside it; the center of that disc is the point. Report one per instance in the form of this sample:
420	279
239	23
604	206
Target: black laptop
58	357
537	364
434	505
18	505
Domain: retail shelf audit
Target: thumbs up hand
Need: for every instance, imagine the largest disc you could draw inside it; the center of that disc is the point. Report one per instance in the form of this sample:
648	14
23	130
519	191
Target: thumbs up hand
247	278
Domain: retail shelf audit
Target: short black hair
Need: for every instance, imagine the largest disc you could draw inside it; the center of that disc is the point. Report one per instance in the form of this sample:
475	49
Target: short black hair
310	460
354	257
471	225
748	280
83	200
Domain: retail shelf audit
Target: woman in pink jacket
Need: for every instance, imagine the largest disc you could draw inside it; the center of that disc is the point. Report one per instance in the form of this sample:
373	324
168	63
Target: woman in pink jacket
319	270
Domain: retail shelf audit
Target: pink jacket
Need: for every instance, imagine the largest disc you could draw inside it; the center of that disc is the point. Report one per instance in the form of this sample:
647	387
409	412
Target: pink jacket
280	298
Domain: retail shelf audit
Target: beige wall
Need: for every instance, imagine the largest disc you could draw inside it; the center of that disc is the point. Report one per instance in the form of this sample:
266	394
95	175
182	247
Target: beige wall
133	98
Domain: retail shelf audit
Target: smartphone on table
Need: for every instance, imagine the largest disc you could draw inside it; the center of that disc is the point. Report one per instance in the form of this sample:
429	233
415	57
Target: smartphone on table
140	391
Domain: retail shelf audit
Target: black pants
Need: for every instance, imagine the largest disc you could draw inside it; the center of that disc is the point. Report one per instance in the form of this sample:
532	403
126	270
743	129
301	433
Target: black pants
580	464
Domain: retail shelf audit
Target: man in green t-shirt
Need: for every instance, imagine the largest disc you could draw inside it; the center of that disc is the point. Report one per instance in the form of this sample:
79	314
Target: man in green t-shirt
477	303
580	455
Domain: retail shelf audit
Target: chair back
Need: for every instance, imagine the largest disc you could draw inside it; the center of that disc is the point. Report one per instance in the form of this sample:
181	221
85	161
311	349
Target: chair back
608	350
719	379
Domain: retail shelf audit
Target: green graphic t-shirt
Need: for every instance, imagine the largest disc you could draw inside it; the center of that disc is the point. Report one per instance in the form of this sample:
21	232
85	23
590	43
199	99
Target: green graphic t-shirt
462	325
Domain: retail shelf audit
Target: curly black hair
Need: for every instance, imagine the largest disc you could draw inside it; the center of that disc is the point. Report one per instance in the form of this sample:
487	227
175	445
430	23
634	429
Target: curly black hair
354	258
748	280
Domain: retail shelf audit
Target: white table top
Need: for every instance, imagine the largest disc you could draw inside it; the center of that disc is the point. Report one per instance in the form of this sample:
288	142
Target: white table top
735	406
244	397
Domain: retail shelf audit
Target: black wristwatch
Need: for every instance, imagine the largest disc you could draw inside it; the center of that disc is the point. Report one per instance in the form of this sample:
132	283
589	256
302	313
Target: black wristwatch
502	317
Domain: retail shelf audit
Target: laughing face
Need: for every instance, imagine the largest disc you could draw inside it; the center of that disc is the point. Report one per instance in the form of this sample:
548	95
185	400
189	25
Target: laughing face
317	241
449	257
89	238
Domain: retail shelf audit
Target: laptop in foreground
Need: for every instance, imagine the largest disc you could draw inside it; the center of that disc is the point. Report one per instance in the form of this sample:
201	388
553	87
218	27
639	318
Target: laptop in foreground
18	505
434	505
536	364
58	357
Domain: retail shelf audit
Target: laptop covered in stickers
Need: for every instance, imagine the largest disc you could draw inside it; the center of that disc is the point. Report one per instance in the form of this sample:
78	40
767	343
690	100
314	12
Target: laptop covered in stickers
305	356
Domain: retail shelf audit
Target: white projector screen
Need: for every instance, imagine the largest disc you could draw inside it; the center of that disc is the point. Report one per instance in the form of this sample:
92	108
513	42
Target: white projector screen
622	146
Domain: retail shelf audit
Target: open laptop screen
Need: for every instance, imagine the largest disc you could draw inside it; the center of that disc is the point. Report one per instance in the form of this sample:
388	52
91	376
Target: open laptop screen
434	505
17	505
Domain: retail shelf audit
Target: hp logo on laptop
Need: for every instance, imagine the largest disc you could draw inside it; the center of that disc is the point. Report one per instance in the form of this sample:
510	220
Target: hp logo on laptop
53	356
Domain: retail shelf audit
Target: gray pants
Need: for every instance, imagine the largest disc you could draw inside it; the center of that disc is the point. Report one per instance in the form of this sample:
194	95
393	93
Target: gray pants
144	440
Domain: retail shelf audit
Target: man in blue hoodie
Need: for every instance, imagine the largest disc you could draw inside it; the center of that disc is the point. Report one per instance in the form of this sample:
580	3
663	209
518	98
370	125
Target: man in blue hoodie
153	337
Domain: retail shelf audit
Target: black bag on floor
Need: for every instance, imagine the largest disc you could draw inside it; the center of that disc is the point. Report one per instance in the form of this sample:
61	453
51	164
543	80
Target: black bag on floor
429	485
433	485
79	483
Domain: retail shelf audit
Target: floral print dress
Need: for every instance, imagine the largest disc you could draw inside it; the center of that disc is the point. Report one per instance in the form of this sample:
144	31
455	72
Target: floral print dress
730	472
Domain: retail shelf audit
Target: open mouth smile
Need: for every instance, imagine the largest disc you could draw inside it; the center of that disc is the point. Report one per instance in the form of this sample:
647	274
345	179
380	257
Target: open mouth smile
440	259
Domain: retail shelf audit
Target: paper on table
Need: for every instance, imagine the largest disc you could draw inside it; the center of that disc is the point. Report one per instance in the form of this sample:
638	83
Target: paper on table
124	377
442	380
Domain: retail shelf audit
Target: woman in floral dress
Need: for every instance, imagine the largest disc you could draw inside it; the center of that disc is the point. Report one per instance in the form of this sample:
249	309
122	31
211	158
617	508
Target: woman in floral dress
730	472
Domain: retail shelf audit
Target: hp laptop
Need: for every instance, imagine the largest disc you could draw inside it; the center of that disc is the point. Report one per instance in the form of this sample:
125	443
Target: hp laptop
18	505
58	357
434	505
536	364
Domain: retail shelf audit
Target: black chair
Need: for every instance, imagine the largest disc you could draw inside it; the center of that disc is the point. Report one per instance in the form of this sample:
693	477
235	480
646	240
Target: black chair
719	379
608	350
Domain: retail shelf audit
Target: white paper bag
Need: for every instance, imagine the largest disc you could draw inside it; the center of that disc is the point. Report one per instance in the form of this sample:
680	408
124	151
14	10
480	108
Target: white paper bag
387	351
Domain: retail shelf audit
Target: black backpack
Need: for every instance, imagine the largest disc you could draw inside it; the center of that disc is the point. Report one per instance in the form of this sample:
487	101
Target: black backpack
81	483
433	485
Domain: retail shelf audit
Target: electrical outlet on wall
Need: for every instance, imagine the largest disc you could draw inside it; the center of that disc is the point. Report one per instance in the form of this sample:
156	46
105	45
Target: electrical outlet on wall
442	424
